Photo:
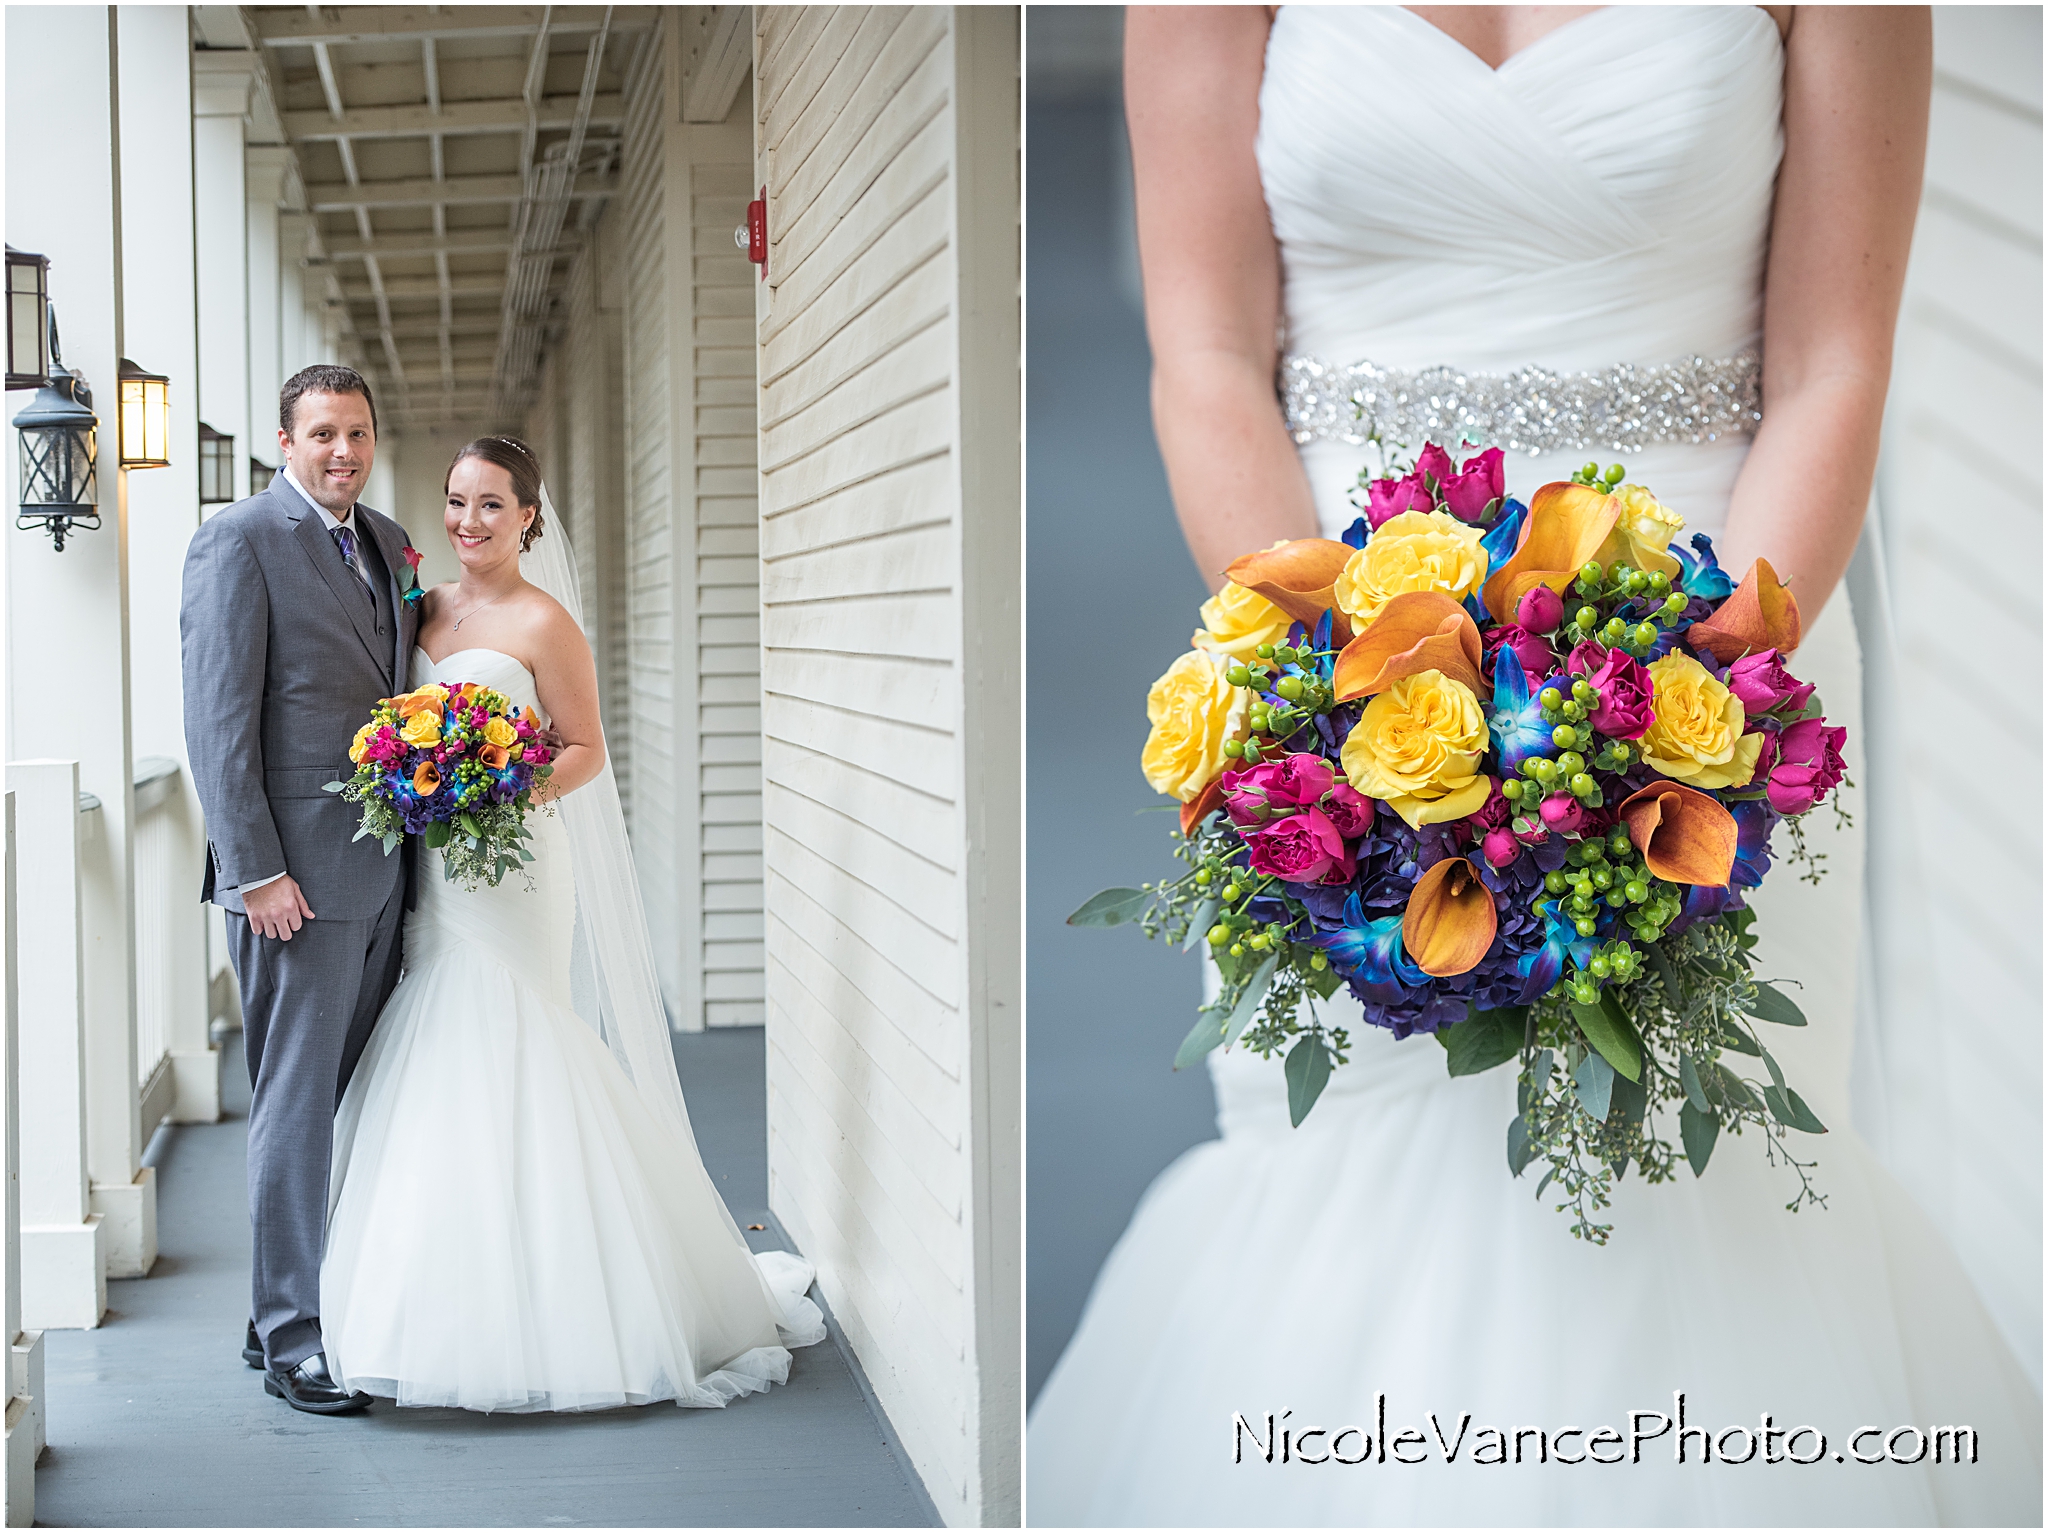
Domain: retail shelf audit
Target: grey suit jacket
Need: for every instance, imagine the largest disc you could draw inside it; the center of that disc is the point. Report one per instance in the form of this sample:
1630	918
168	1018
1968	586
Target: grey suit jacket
282	664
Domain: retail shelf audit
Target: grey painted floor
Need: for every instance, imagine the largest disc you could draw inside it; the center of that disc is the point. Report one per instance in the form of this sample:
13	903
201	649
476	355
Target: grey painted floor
155	1422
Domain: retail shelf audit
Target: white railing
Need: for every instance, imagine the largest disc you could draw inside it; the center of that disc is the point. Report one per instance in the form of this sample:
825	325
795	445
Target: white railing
24	1393
157	790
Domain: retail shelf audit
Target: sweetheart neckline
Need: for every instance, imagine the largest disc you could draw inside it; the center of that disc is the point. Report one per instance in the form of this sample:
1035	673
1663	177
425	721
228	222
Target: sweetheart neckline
474	649
1526	48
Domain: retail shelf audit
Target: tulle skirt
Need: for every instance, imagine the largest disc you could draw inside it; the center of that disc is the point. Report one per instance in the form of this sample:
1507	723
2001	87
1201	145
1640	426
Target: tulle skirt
511	1228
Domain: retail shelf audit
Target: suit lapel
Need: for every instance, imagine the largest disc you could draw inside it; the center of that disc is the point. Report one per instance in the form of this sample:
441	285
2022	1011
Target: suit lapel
392	543
327	560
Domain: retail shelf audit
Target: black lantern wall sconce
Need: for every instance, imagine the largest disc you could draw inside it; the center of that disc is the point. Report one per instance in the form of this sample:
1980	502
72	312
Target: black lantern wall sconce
59	453
28	320
216	466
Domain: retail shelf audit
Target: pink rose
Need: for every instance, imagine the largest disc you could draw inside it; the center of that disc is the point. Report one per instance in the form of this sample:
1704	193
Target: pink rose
1540	610
1762	682
1465	492
1767	753
1501	847
1626	704
1303	848
1349	810
1255	794
1536	655
1563	813
1809	765
1494	812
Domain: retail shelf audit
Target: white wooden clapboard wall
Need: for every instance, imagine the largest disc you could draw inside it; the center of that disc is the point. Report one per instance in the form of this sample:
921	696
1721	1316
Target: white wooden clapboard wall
1954	1080
888	335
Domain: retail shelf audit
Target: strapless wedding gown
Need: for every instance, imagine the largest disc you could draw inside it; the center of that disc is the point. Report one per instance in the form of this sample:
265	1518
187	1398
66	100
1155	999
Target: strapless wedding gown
1603	198
510	1227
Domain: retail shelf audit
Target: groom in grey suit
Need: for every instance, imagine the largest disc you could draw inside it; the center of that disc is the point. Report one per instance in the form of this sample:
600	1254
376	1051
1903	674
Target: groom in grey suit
294	626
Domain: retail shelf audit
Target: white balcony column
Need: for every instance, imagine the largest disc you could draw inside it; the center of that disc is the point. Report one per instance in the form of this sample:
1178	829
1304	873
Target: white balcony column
159	321
294	334
221	83
63	1254
24	1419
68	611
268	166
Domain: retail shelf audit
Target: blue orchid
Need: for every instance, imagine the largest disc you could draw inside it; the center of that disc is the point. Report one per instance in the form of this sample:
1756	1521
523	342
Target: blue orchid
1356	534
1702	575
1369	955
1540	967
1516	720
1754	821
1500	538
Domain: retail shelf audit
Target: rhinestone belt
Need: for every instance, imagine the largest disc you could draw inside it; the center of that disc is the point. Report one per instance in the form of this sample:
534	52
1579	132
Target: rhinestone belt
1619	409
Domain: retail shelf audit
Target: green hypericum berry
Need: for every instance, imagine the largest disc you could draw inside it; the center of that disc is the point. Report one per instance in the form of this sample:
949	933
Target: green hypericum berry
1233	749
1582	691
1646	635
1564	736
1202	876
1318	962
1237	950
1555	882
1570	762
1265	652
1637	891
1551	698
1600	968
1288	687
1674	604
1586	926
1586	617
1615	473
1238	676
1230	893
1219	934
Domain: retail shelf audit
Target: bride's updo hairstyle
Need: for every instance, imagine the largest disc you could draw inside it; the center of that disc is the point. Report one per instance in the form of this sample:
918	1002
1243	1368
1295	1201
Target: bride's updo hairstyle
516	459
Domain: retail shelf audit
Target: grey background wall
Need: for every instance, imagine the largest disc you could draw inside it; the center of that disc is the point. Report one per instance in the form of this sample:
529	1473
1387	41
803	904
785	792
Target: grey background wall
1113	595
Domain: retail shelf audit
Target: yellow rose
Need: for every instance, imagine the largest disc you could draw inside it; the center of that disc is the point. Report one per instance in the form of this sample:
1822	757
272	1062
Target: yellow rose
1193	711
422	730
1235	622
1415	551
499	731
1697	735
361	743
1419	745
1644	533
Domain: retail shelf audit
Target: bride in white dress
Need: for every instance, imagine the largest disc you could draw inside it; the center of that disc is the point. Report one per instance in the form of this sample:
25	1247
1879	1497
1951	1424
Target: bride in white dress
519	1219
1671	188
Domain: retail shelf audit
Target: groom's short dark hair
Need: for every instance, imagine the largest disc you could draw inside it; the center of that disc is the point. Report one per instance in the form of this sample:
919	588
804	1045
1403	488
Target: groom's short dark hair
321	378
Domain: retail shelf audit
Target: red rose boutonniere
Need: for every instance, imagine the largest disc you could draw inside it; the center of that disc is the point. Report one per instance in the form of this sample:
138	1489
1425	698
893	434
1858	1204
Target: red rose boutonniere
413	593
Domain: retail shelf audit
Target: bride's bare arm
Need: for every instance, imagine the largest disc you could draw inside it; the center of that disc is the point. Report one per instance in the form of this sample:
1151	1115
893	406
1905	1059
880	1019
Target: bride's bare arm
1857	80
1212	278
565	677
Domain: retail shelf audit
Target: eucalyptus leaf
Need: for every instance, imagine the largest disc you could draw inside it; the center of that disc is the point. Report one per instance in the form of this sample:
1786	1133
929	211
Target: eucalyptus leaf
1199	924
469	824
361	831
1695	1090
1248	1003
1664	970
1735	1038
1594	1080
332	787
1206	1034
1325	982
1699	1129
1735	1088
1539	1073
1308	1071
391	840
1112	907
1520	1152
1770	1064
1483	1040
1548	1177
1773	1005
1611	1033
1789	1110
1631	1101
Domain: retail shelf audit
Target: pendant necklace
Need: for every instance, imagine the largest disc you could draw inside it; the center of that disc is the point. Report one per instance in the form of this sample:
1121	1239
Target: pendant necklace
473	611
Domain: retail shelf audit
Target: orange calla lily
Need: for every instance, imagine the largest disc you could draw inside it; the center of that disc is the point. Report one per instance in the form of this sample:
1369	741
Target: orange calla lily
414	703
1298	578
1417	631
1567	524
1683	834
493	756
1761	615
1450	921
1201	806
426	779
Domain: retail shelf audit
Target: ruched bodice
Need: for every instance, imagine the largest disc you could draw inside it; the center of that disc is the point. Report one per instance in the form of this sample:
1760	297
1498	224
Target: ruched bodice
1604	196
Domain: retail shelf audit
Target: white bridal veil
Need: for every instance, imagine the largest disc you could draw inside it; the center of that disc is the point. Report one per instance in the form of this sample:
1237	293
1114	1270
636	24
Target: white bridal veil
613	980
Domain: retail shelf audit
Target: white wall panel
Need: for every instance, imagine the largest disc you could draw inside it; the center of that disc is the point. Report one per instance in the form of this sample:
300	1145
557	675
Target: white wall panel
887	334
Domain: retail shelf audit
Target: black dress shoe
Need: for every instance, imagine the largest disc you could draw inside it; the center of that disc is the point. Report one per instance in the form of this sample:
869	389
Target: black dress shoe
308	1386
252	1348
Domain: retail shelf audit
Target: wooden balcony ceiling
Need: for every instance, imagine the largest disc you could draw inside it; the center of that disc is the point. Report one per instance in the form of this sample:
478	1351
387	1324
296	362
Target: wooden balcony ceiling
452	158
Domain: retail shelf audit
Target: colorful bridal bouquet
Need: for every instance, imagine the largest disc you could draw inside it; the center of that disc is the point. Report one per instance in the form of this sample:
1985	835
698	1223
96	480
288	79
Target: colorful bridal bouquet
1505	772
455	766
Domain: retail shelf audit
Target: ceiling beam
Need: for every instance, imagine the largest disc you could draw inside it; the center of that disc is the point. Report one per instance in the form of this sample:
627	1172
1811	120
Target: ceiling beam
724	50
475	285
339	196
505	116
395	246
382	23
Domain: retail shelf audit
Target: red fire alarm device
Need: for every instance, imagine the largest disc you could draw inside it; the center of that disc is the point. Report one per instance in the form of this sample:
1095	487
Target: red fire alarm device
755	234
